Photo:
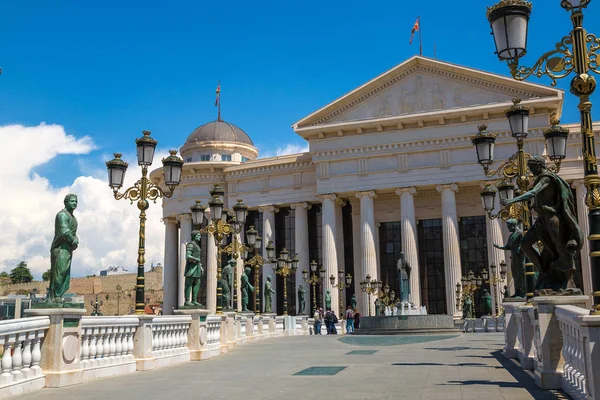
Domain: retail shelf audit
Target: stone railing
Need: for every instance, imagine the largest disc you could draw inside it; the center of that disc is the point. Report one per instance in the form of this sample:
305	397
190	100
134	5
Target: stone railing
573	350
107	346
170	337
213	335
21	358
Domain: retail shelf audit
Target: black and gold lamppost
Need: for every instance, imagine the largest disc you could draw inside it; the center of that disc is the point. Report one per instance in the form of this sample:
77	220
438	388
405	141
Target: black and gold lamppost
576	52
286	267
314	280
256	262
143	191
96	306
370	287
341	285
494	280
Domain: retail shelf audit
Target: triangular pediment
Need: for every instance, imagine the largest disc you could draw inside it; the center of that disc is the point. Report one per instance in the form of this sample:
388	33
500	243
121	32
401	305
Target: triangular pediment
422	85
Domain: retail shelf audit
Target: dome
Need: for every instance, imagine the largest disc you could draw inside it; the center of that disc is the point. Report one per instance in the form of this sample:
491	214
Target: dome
219	131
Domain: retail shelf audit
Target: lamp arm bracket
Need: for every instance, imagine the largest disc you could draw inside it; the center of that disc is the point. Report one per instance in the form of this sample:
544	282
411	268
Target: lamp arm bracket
592	54
134	193
503	170
556	64
155	192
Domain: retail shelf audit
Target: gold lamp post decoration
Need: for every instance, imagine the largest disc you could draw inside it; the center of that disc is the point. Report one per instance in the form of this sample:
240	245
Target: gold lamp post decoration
221	225
470	284
314	280
342	284
577	54
386	296
370	287
256	262
142	192
284	268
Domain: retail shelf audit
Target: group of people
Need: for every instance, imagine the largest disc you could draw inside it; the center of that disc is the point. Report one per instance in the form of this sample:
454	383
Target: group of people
351	315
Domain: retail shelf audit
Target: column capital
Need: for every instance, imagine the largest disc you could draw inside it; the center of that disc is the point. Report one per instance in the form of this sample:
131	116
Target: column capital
411	190
450	186
184	217
328	196
576	183
341	202
270	208
170	219
369	193
302	204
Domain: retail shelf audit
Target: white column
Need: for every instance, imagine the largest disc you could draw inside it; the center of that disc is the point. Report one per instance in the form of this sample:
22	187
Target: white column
185	234
268	213
451	245
356	252
301	245
211	273
495	256
330	262
584	225
339	244
368	260
409	240
171	266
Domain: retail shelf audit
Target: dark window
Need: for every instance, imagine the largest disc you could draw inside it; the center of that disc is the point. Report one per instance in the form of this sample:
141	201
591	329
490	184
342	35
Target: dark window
255	219
315	241
390	246
431	265
285	237
472	232
348	250
205	157
225	157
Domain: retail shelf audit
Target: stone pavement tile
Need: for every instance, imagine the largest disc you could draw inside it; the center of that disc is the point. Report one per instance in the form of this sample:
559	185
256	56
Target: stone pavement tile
440	392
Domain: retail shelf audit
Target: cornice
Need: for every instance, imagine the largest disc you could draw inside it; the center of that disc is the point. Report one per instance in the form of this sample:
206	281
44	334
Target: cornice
269	169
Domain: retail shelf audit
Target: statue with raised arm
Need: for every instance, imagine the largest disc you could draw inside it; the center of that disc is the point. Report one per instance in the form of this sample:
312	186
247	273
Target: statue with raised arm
556	228
193	270
517	266
227	283
301	301
246	286
267	293
61	251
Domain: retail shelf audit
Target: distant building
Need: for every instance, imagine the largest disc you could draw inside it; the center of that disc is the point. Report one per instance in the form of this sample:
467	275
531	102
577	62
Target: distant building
114	270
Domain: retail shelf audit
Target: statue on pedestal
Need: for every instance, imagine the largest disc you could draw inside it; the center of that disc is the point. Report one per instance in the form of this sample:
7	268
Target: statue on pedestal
377	306
267	293
227	283
467	307
193	270
61	251
486	298
327	300
353	301
301	301
556	228
403	269
246	286
517	266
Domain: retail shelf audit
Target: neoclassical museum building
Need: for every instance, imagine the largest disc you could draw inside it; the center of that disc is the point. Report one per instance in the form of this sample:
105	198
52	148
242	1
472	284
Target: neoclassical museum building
390	168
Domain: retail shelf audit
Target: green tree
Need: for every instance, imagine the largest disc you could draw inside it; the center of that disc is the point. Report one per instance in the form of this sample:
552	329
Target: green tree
46	276
4	274
21	273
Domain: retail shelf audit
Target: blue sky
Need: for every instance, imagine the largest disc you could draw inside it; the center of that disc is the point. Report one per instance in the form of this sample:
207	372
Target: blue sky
113	68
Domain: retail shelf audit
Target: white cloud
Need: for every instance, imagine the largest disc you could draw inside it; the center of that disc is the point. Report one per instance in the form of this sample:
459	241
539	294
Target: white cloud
289	148
108	229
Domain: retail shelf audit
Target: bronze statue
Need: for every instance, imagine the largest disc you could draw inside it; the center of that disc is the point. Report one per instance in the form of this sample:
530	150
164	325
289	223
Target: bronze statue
328	300
61	251
487	302
301	301
193	270
403	269
556	228
353	301
517	266
267	293
227	283
467	307
246	286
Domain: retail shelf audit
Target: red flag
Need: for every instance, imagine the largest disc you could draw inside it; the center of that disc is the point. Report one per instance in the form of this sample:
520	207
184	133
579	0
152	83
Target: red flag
414	29
218	95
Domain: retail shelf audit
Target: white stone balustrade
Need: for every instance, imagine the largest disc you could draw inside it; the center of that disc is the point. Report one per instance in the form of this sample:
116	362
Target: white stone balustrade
107	346
213	335
21	342
279	325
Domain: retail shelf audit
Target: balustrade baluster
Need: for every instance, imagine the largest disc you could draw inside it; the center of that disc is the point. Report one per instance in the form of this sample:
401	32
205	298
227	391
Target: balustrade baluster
111	341
17	357
36	352
6	362
27	354
85	347
130	334
119	342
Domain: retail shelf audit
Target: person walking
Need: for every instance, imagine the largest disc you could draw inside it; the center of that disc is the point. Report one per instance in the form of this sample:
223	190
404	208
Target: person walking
328	321
317	323
349	320
356	320
334	320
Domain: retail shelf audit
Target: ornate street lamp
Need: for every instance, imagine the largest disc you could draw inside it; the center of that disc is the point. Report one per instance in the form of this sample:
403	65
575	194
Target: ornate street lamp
341	285
575	53
141	192
255	244
313	280
285	267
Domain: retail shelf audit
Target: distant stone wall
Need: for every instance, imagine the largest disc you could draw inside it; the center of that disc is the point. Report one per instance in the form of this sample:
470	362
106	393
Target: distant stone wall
116	303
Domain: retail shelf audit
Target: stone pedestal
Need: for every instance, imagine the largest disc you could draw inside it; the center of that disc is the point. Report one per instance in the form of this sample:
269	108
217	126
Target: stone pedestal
142	344
269	324
523	316
489	323
197	334
301	325
231	329
511	330
224	333
289	325
61	348
590	328
548	338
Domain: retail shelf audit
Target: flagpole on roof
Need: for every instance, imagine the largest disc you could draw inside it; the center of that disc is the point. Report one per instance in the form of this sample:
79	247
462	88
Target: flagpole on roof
218	101
420	41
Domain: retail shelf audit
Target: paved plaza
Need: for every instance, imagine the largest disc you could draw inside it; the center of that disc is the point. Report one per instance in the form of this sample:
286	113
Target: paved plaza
373	367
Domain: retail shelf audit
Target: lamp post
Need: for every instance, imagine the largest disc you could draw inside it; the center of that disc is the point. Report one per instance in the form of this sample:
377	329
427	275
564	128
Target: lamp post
571	54
141	192
220	226
470	284
96	306
256	262
342	284
370	286
285	267
313	280
494	281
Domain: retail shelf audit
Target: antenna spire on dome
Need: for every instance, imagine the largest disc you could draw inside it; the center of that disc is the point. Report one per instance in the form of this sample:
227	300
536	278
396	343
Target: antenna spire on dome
218	101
